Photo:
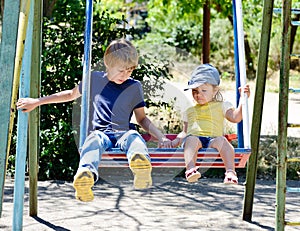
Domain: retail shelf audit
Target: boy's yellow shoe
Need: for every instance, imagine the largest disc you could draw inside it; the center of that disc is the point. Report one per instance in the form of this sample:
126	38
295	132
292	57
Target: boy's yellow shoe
141	169
83	183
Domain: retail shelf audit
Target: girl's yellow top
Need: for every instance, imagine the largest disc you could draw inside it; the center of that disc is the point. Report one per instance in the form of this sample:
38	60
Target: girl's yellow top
208	119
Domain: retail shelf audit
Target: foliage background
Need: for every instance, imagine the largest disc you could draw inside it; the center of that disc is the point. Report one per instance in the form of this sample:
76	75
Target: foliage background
177	23
63	38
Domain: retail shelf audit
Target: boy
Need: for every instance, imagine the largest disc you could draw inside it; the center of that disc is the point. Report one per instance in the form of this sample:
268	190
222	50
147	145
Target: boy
115	98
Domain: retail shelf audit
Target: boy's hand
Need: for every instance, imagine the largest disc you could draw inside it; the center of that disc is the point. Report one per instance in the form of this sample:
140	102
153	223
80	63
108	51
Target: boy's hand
27	104
165	143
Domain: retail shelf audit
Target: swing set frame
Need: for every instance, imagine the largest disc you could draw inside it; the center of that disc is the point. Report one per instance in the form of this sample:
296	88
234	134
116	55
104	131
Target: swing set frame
168	158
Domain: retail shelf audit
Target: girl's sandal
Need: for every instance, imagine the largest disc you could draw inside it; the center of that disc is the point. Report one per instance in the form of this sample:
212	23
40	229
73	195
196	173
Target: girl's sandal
192	175
230	177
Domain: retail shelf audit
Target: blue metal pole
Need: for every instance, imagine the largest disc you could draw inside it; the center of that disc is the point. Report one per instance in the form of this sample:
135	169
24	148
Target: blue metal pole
237	74
22	130
242	68
85	100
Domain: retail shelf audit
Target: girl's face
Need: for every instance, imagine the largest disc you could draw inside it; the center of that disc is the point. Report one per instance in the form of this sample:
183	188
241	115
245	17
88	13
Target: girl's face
119	74
204	93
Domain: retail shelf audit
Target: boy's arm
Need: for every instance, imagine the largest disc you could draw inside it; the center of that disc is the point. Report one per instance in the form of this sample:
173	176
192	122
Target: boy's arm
28	104
149	127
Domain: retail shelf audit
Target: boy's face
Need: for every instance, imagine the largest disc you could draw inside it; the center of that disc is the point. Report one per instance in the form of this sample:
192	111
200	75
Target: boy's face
119	74
204	93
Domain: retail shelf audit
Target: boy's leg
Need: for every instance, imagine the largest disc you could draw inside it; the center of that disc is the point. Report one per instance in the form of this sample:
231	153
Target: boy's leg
139	160
83	183
191	146
95	144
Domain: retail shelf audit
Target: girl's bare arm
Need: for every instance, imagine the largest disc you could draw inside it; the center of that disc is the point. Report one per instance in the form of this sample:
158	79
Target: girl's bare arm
235	115
178	140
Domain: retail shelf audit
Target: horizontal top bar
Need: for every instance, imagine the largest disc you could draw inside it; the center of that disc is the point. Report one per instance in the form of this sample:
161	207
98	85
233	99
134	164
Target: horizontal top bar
295	23
296	90
292	189
295	56
293	11
290	125
294	159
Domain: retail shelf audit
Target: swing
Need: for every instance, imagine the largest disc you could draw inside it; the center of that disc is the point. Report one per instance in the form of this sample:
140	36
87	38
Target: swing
173	157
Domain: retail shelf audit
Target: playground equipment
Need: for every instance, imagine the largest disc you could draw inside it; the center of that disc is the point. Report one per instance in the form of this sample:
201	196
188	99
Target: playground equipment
33	36
12	53
165	157
85	99
240	69
174	158
7	58
282	159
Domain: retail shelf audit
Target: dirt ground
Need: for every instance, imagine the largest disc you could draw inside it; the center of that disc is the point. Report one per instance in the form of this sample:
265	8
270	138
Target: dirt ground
174	205
171	204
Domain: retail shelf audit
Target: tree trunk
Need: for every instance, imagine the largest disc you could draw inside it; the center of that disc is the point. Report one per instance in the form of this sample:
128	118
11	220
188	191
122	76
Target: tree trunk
249	59
248	56
206	32
294	31
294	62
48	7
2	9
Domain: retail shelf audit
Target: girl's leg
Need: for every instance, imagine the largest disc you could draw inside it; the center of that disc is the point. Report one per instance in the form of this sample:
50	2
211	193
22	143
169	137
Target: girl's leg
95	144
138	157
191	147
226	151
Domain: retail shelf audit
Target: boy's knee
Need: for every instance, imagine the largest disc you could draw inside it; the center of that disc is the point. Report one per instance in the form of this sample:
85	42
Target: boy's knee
132	135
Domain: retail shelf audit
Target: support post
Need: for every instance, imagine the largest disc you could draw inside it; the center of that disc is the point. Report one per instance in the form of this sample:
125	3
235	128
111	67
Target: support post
261	74
34	116
22	120
283	115
85	99
22	29
240	41
237	73
7	60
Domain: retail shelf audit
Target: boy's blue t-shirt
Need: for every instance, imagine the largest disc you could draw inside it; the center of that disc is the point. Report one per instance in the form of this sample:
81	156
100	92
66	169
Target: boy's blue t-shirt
113	104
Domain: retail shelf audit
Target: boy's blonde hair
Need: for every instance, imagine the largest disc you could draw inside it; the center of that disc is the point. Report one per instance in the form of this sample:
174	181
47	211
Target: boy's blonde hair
122	53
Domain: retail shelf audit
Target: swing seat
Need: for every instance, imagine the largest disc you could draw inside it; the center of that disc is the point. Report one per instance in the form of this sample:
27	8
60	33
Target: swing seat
174	158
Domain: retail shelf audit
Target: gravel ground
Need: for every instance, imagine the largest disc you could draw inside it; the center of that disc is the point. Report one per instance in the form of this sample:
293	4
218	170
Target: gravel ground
175	205
171	204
